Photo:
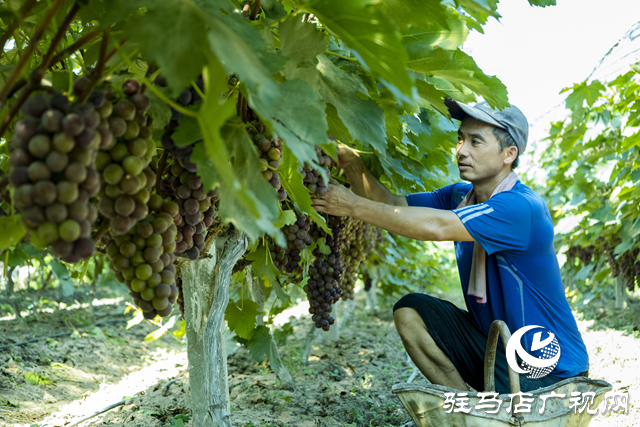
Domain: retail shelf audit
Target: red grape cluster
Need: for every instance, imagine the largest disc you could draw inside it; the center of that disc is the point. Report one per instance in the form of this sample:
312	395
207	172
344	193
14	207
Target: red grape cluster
299	236
143	259
195	209
127	180
313	179
52	153
323	291
181	153
270	153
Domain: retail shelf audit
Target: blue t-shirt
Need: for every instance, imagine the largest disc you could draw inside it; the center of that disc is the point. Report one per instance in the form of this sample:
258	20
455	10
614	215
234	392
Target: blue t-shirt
524	285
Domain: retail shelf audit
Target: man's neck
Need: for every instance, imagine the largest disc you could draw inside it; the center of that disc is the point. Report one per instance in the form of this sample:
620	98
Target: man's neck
484	189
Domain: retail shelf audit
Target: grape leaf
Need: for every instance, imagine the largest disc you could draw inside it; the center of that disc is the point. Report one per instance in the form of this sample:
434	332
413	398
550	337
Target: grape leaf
345	91
181	56
299	39
241	317
460	69
158	110
187	132
428	92
300	117
62	274
421	40
286	217
416	12
542	3
355	22
241	49
11	231
262	344
264	268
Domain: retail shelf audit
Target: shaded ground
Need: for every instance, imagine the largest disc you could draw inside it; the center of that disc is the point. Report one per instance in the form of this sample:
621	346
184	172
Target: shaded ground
346	383
37	378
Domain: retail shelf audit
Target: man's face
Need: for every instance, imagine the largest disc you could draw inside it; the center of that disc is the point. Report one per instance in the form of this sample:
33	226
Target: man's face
478	151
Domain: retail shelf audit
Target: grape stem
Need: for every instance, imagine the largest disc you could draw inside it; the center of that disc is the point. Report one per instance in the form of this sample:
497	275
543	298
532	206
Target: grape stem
99	68
150	69
104	227
26	55
161	165
22	13
155	90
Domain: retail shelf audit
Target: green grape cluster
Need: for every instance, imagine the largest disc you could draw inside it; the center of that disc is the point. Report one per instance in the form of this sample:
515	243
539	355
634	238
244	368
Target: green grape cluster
52	170
123	164
143	259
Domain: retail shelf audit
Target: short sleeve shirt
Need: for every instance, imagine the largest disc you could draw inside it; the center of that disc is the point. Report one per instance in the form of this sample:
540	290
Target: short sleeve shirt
524	284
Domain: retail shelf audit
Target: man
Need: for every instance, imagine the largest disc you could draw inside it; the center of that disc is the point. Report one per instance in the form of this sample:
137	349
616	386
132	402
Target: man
503	237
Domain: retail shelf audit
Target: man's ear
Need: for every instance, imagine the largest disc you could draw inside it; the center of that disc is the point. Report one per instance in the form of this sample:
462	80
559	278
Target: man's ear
512	153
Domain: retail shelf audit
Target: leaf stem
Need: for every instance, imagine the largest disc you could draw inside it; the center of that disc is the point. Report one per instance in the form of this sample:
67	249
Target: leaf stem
348	58
161	165
26	56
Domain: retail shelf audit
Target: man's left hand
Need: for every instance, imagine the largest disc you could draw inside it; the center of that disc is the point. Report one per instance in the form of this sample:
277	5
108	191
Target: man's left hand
339	200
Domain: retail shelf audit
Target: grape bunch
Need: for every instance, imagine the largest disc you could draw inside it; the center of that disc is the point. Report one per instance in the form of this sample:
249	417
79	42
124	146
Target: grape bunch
611	259
312	177
52	153
181	153
299	236
323	290
270	153
586	254
143	260
124	164
626	262
366	278
352	255
195	209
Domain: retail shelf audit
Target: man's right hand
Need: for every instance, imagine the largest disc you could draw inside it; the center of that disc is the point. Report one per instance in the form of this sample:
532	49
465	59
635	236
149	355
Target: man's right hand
349	158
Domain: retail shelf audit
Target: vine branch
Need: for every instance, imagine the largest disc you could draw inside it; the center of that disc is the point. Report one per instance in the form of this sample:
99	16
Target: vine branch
22	13
35	38
99	72
255	10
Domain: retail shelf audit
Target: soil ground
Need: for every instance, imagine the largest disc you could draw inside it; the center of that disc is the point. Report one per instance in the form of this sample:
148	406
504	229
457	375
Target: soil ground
345	383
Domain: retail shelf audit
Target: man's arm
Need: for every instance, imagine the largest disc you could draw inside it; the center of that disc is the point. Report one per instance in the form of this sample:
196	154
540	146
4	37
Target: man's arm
363	183
414	222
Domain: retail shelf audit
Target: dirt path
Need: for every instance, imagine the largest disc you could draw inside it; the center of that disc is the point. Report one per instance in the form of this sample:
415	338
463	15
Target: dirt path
346	383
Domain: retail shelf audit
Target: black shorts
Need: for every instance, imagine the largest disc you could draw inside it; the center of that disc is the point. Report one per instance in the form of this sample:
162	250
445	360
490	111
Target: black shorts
461	339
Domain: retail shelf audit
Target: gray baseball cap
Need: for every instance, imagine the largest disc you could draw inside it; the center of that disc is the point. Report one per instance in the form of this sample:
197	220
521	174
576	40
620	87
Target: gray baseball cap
511	119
